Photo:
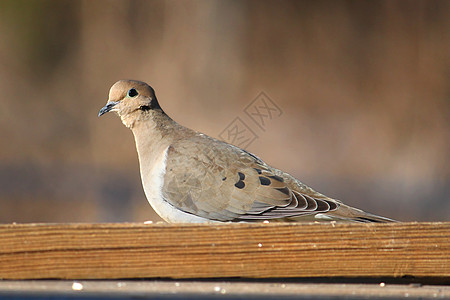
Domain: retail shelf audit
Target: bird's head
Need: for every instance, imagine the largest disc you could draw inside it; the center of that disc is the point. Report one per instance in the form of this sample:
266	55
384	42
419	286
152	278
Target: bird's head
131	99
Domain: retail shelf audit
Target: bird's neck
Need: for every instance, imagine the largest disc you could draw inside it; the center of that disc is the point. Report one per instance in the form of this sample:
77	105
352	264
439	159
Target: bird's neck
155	131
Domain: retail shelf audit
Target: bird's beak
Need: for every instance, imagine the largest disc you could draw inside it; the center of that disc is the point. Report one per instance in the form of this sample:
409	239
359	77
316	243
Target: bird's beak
107	108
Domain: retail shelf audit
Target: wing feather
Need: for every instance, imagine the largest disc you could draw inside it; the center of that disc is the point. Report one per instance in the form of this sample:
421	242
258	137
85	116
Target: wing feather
216	181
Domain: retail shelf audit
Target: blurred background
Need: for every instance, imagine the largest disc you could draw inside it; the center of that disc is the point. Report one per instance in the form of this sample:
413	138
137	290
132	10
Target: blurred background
363	86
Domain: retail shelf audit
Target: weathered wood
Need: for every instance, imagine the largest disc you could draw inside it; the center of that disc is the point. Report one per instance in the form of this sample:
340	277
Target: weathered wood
90	251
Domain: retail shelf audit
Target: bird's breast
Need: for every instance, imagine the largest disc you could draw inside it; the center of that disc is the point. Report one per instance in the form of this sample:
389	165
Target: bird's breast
153	171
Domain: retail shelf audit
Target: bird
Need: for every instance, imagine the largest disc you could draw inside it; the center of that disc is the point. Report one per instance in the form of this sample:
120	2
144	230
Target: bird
189	177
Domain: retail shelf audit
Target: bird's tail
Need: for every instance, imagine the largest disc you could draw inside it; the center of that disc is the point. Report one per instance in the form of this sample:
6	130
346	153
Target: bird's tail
350	214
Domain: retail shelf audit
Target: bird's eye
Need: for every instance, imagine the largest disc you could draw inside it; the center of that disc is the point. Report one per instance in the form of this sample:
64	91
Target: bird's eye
132	93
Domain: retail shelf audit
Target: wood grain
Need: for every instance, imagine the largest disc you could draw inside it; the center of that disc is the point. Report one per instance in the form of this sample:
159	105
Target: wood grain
109	251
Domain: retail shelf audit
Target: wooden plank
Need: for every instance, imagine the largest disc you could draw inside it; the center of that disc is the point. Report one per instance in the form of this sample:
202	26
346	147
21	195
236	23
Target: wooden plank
108	251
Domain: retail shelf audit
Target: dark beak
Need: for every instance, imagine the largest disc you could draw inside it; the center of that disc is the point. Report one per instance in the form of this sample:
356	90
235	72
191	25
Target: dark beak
107	108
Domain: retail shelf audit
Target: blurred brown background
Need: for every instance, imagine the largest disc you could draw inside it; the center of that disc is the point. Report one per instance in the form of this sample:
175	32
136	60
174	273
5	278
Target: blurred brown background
364	87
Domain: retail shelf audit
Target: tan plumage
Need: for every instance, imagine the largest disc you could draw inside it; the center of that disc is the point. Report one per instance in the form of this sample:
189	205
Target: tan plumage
190	177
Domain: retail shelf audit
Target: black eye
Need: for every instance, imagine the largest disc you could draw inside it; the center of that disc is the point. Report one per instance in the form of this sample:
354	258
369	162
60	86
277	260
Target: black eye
132	93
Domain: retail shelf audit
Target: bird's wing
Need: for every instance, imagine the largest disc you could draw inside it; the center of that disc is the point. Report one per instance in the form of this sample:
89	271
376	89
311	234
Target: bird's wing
210	179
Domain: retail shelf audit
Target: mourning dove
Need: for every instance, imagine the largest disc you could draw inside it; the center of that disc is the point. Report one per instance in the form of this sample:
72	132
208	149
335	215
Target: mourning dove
189	177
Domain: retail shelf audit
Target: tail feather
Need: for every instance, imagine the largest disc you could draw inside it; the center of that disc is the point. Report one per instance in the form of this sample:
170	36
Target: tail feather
371	218
350	214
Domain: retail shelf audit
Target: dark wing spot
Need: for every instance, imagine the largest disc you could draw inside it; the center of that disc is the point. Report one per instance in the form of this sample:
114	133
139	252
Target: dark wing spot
278	178
258	170
240	184
285	191
264	180
224	178
241	176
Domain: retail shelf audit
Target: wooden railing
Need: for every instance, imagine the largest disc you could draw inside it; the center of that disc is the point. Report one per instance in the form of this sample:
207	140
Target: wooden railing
275	250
